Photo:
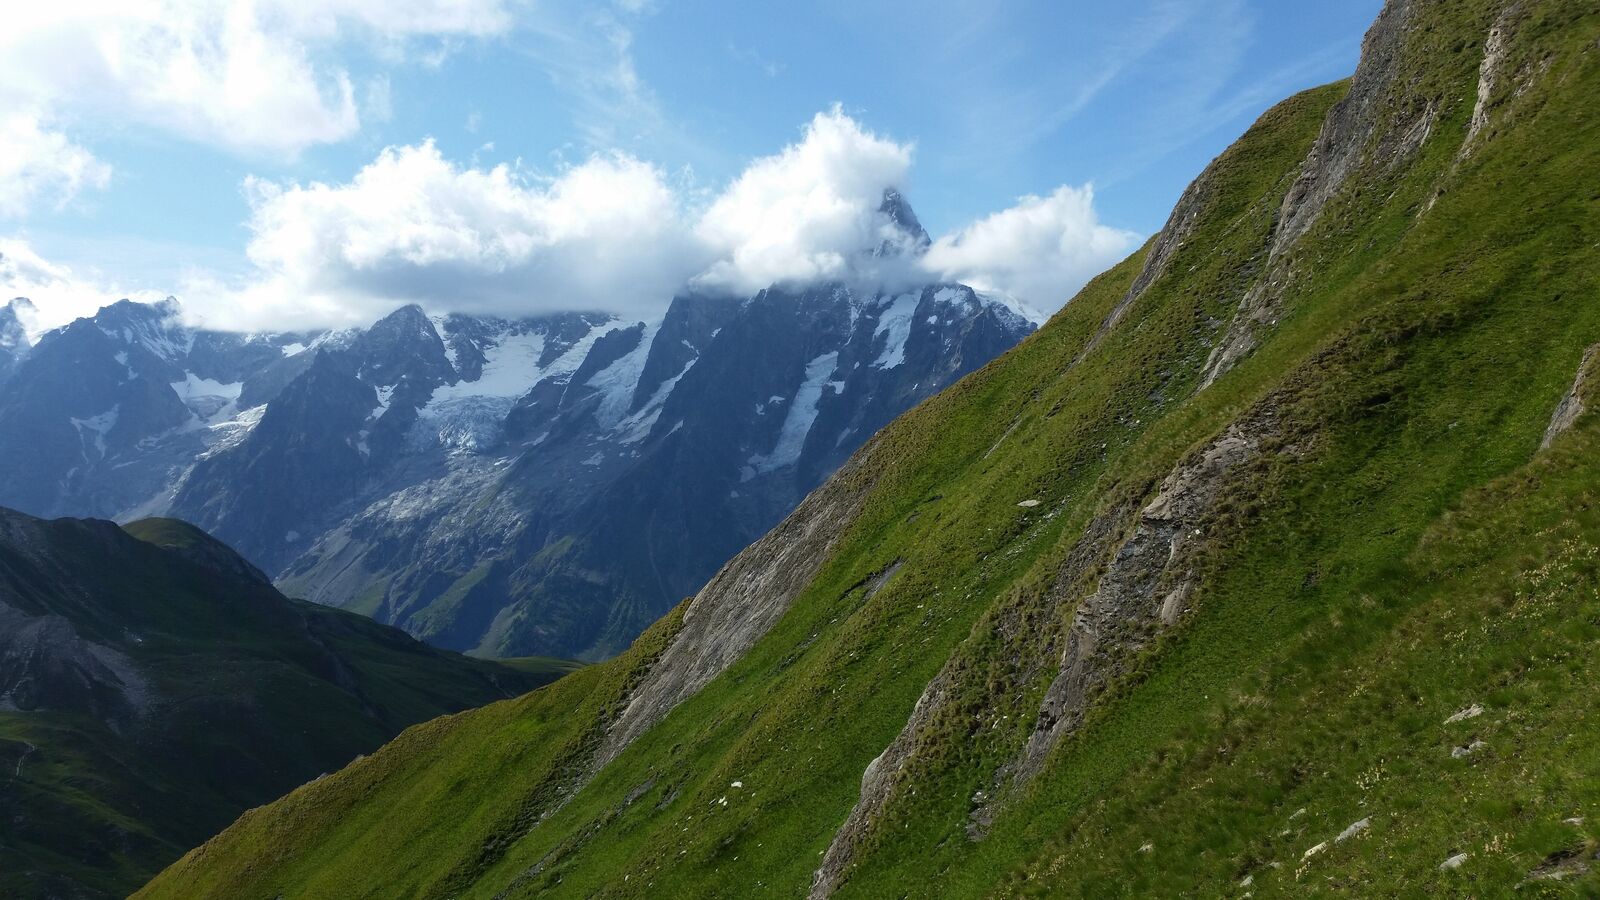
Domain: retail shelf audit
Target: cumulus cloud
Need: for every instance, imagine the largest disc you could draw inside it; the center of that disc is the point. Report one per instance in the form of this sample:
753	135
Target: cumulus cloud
39	165
805	213
413	226
612	233
1040	251
244	75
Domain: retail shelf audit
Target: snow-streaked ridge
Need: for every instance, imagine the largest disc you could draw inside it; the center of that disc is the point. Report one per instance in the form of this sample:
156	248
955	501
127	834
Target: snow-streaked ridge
797	424
895	324
1012	305
618	381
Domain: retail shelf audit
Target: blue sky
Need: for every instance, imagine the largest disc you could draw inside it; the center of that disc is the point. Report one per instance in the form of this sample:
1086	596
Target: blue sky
166	185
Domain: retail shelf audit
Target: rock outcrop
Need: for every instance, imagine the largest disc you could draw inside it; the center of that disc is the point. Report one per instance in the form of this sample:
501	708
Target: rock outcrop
1375	125
1136	586
744	600
1573	404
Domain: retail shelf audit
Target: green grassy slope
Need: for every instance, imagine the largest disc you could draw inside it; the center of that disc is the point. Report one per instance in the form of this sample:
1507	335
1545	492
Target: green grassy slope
243	695
1398	549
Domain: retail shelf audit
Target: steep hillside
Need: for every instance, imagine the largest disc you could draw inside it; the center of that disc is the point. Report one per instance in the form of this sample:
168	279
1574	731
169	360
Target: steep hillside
153	684
1268	566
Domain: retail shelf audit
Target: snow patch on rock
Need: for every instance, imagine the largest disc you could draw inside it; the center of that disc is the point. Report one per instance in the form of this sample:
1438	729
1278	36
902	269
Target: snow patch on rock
94	429
210	400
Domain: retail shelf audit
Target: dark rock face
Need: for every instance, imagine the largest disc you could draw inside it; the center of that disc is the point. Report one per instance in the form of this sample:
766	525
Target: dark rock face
81	399
907	234
687	329
309	450
402	346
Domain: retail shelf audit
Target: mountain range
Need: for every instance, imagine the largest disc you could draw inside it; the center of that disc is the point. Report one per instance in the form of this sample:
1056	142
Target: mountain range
539	486
1266	567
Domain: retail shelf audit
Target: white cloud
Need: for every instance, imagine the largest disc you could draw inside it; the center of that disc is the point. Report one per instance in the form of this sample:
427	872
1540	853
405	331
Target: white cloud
398	18
612	233
608	234
245	75
58	293
1040	251
412	226
38	165
802	214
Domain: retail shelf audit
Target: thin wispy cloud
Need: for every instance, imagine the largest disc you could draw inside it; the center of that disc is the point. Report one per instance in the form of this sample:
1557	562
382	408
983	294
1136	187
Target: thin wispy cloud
1214	98
1276	84
587	54
1140	46
756	59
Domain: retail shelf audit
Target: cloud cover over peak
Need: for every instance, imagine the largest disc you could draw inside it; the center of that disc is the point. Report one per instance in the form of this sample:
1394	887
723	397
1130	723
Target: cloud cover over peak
802	214
1039	251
